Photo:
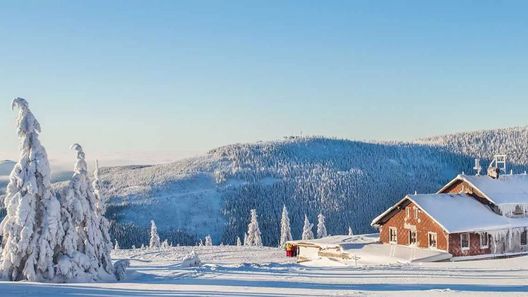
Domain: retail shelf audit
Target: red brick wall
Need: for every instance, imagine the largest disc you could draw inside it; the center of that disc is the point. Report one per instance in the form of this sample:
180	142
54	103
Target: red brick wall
474	245
424	224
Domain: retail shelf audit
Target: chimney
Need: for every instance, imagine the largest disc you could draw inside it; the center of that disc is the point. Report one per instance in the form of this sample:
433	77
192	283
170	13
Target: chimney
494	172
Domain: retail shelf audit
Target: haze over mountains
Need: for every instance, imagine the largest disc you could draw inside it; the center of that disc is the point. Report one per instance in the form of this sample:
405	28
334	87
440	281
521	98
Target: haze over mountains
350	182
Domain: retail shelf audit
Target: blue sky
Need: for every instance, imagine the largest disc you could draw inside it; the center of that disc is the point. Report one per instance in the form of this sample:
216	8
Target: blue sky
169	79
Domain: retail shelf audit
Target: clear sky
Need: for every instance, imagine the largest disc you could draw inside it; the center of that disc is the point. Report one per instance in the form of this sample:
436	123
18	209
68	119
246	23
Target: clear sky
168	79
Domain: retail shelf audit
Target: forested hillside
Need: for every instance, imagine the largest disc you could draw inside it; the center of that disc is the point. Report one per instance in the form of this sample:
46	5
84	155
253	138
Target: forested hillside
486	143
350	182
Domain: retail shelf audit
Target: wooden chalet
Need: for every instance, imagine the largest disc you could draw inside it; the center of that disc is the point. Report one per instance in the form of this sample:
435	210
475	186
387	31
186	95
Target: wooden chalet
473	215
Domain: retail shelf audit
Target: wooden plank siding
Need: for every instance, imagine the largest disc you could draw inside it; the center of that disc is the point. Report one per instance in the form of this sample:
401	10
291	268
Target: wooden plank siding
423	225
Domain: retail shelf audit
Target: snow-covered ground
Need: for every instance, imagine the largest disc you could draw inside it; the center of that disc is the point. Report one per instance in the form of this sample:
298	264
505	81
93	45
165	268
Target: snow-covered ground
247	271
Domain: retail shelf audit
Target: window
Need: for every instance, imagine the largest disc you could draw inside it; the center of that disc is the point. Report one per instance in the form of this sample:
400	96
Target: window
416	210
432	239
484	237
518	211
407	212
524	237
393	235
412	237
464	241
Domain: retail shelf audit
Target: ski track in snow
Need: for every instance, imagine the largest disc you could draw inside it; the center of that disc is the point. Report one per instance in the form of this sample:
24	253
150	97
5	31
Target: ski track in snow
255	272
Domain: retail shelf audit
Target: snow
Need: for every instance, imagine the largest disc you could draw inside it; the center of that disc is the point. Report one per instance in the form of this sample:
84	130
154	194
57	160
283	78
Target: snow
253	233
452	211
258	272
307	229
504	190
321	228
285	234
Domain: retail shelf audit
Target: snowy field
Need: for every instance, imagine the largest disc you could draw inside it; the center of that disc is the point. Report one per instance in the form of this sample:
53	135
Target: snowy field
245	271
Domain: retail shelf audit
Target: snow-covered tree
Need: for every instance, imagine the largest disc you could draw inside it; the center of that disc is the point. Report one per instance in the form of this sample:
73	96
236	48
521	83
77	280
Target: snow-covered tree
350	233
321	228
253	233
165	244
208	241
245	239
307	229
104	245
84	254
31	229
285	227
116	246
238	242
154	237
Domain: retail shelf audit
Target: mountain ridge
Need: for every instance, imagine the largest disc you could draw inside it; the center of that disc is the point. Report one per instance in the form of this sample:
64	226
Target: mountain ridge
349	181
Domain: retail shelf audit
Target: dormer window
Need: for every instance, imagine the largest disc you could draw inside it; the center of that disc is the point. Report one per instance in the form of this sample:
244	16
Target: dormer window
518	211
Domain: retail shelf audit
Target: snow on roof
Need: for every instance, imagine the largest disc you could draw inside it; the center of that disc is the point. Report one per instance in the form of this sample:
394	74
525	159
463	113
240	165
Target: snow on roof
460	213
457	213
337	241
507	189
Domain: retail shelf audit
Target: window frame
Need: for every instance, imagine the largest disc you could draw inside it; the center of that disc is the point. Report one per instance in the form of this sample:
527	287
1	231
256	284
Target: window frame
484	235
525	233
416	213
429	240
393	231
415	237
408	212
468	241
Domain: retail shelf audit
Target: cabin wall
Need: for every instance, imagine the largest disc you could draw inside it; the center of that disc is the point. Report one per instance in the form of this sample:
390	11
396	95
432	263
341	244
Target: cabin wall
475	249
423	225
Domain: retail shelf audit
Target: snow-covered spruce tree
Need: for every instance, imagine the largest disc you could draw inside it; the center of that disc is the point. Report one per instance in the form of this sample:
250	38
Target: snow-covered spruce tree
253	233
83	254
208	241
238	242
154	237
285	228
116	245
245	239
31	229
321	228
350	233
307	229
104	246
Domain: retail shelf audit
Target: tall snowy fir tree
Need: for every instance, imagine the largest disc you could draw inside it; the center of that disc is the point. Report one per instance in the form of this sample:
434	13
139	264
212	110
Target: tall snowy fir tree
321	228
350	233
31	229
104	247
285	234
307	229
208	241
83	253
253	233
154	237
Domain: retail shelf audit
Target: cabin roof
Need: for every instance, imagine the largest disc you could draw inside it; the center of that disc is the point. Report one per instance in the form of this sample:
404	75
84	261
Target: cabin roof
456	213
507	189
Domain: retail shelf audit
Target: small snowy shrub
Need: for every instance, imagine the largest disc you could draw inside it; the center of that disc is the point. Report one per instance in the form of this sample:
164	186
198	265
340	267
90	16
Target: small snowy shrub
191	260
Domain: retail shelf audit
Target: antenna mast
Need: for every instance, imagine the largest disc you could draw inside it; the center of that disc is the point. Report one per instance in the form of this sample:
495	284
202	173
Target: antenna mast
499	161
477	167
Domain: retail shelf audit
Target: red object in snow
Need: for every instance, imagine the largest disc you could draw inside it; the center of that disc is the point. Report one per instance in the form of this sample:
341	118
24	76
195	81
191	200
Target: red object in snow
291	250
